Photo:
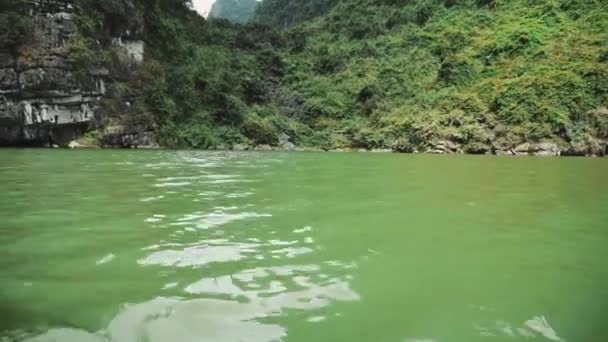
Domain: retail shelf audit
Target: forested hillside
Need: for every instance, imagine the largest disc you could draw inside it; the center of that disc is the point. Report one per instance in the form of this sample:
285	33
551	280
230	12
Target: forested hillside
475	76
483	75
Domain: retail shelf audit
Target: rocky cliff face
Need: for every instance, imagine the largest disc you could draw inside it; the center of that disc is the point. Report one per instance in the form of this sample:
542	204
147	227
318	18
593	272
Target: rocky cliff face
44	99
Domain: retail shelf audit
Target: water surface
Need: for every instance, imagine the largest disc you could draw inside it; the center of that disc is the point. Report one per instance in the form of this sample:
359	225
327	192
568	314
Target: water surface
212	246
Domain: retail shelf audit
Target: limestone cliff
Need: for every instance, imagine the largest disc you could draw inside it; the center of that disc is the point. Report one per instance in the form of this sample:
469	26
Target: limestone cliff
44	98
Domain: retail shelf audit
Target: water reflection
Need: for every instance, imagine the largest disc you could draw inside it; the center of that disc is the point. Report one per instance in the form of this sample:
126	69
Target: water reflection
242	305
258	293
197	255
218	217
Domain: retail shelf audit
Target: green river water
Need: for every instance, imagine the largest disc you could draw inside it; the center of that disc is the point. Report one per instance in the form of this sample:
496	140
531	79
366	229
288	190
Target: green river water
210	246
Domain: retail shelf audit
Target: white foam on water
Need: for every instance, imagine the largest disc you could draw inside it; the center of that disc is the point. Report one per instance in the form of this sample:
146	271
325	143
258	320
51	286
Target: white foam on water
316	319
292	252
216	219
170	319
219	285
181	178
194	256
67	335
540	325
228	181
150	199
175	319
239	195
302	230
169	286
106	259
282	243
209	193
220	216
172	184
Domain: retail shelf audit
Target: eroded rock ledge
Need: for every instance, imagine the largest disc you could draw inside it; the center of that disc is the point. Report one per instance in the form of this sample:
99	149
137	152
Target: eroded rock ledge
44	99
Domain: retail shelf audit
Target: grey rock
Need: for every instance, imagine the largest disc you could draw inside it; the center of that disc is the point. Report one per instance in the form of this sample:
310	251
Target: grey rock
130	139
263	148
8	79
577	149
284	138
444	147
287	146
342	150
7	60
478	148
548	149
285	142
9	134
523	149
47	78
74	144
79	144
241	147
98	71
44	59
599	147
307	149
538	149
42	102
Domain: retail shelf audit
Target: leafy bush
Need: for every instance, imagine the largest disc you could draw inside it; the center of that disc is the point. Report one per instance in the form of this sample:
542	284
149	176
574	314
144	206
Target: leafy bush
260	130
552	99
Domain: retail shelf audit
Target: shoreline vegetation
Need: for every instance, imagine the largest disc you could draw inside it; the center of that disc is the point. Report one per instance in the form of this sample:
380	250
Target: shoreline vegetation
426	76
544	149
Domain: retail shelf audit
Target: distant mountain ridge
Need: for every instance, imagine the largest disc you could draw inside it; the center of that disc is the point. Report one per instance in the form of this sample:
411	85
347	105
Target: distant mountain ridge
288	13
237	11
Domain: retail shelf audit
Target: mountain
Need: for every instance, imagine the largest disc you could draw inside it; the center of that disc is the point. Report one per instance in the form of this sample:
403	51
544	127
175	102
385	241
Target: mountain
441	76
477	76
238	11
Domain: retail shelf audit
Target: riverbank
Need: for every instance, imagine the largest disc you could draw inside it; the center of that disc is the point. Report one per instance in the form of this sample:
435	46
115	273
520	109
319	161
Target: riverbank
545	149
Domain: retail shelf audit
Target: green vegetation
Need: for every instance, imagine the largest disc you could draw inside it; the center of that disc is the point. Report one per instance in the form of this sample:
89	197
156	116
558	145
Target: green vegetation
484	74
402	74
287	13
15	24
237	11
